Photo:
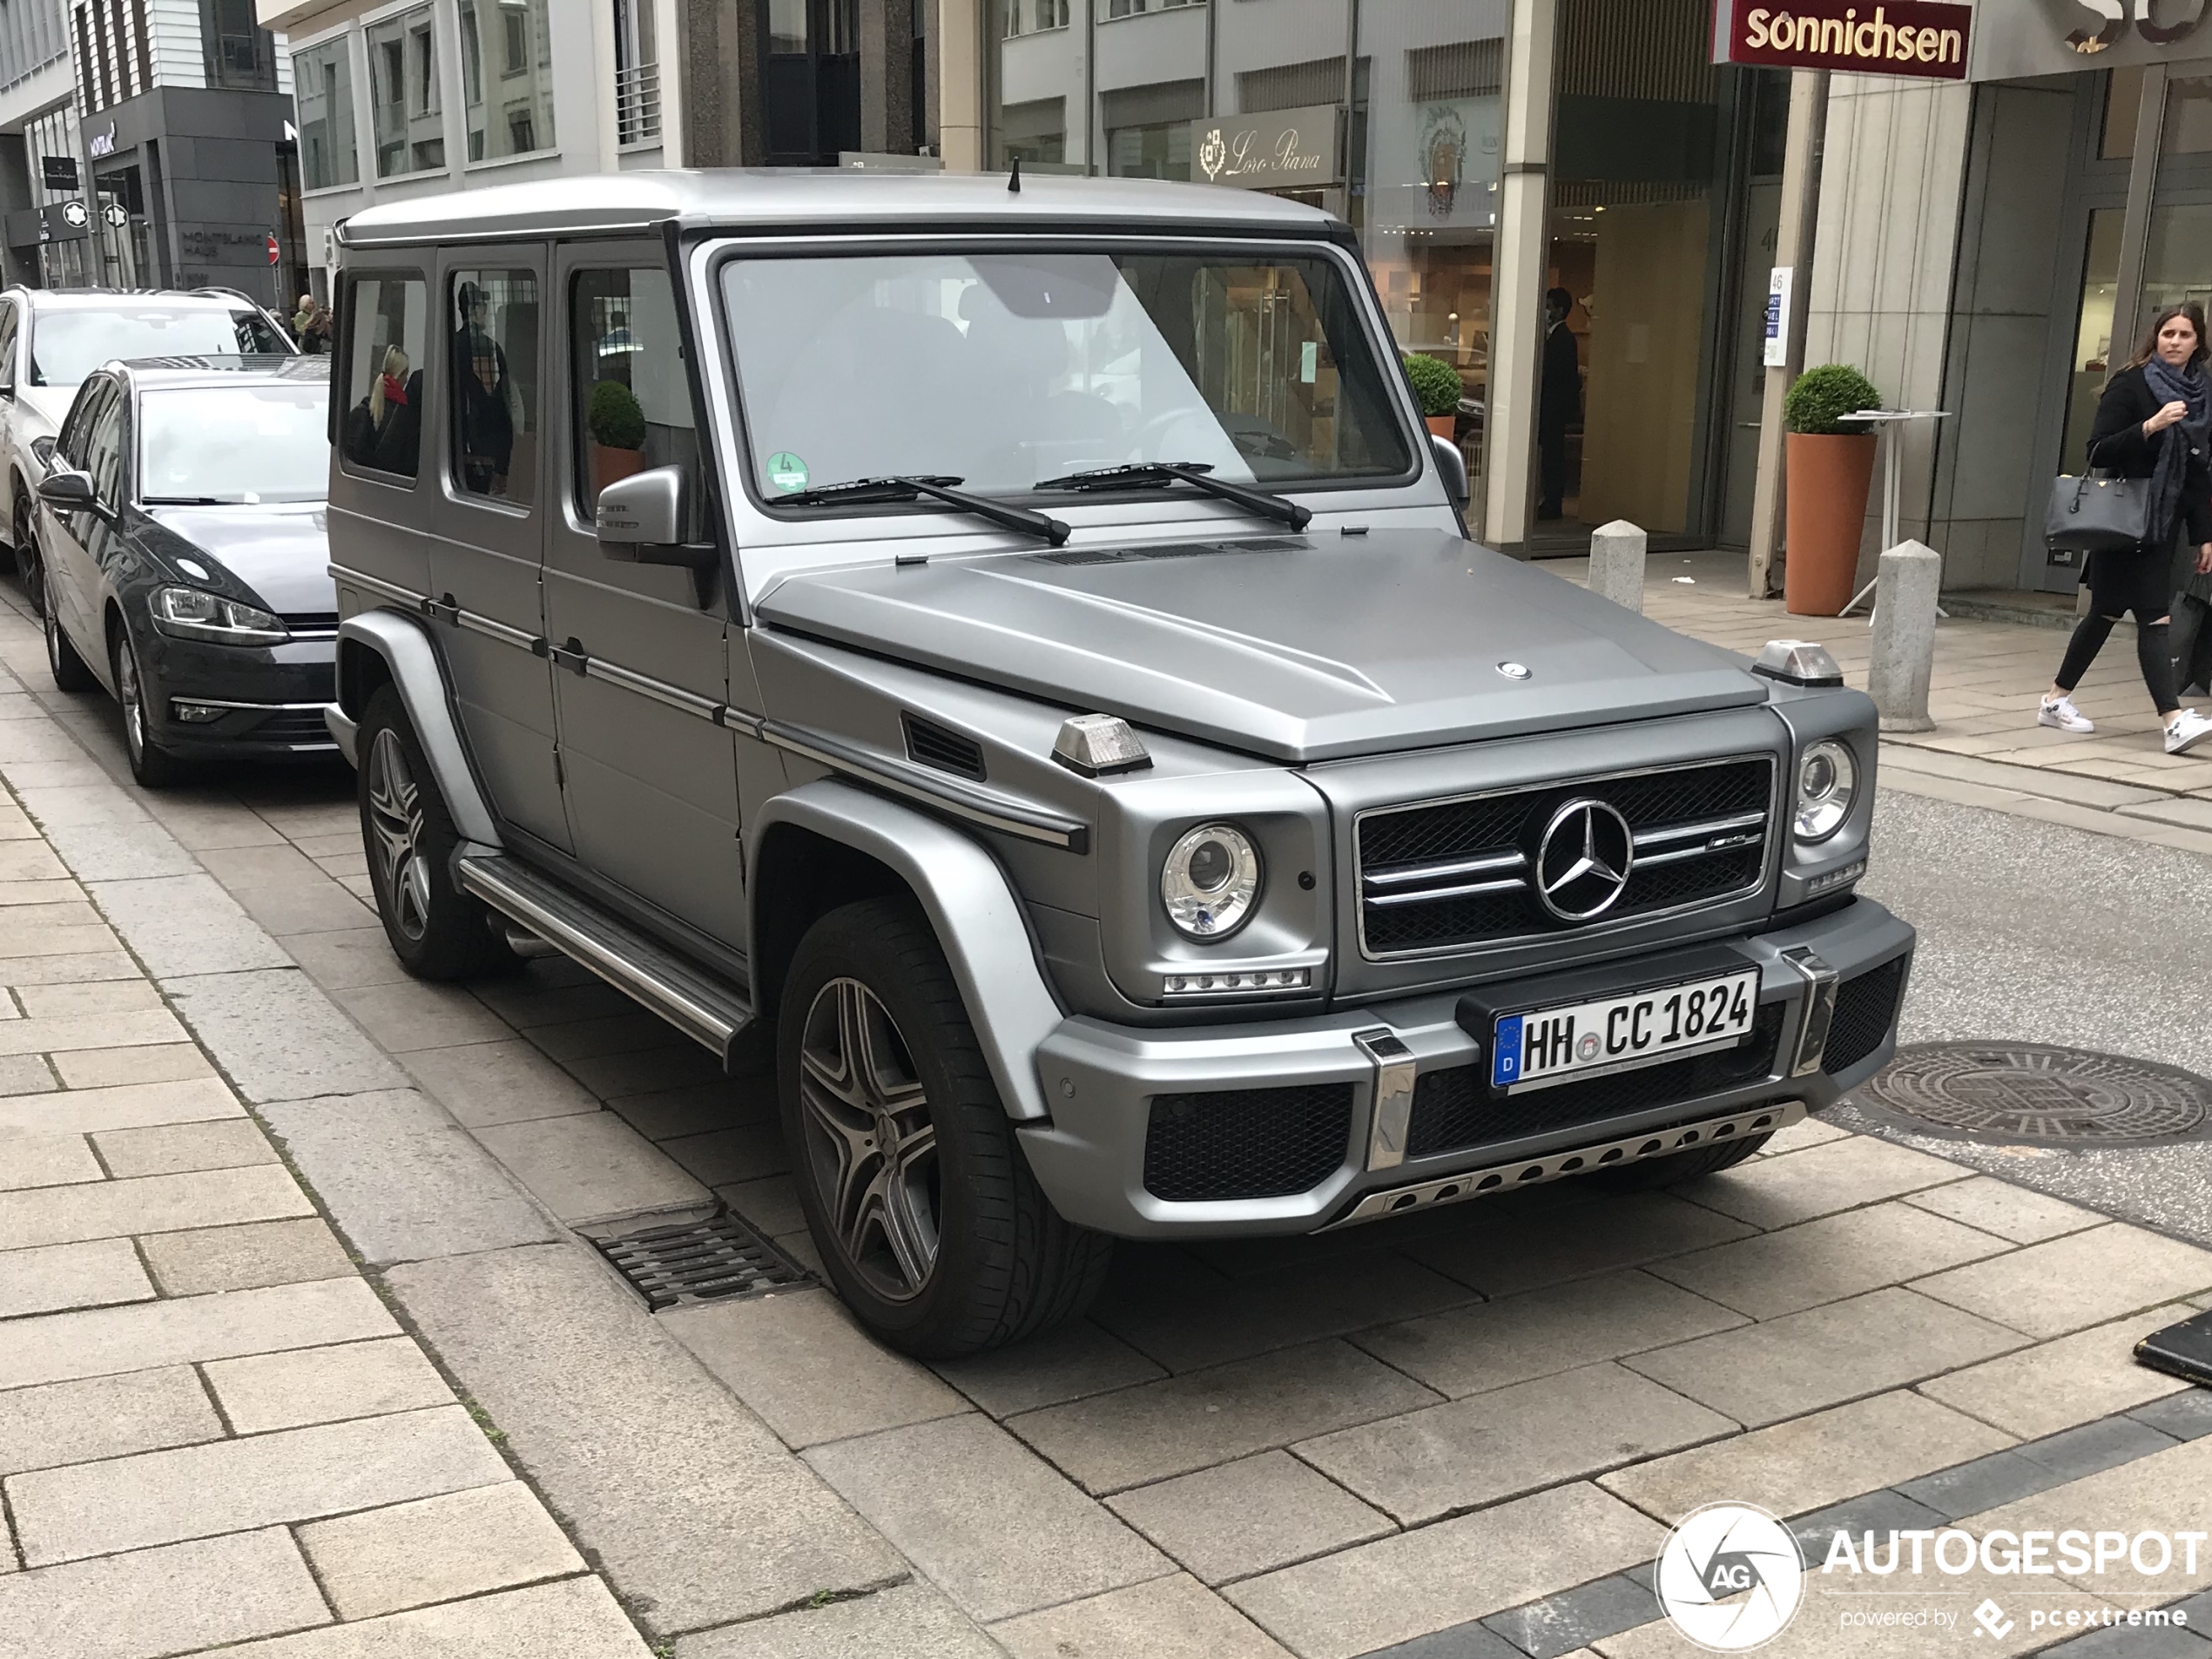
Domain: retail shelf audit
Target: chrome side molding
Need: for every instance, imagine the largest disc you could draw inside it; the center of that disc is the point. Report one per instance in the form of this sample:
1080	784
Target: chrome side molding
1480	1183
708	1011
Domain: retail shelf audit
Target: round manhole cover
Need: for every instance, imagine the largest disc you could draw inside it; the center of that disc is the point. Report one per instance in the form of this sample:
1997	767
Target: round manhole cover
2028	1093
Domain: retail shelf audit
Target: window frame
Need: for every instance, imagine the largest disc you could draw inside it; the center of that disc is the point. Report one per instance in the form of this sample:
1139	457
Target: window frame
341	402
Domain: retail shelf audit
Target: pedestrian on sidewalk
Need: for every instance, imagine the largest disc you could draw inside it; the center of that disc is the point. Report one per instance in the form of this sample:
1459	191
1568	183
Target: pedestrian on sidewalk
2154	422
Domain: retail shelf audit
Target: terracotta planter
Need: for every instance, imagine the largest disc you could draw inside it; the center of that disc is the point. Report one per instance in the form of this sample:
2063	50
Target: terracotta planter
1827	479
1443	425
611	466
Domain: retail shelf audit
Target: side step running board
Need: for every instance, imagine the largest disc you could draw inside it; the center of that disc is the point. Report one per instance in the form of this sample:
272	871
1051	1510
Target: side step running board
708	1011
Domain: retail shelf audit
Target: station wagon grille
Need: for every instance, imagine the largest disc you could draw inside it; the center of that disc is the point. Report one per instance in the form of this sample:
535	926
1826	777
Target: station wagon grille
1457	874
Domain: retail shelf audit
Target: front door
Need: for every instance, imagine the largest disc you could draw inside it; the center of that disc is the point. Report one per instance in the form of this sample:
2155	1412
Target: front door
75	542
650	775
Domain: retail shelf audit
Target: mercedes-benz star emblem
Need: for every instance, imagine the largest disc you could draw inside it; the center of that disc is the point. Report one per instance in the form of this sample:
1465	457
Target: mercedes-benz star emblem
1583	861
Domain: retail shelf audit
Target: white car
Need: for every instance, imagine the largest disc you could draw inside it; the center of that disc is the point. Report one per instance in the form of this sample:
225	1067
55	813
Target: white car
51	339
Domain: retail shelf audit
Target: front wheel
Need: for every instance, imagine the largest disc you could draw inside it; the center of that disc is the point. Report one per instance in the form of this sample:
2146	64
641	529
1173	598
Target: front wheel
151	764
922	1203
437	931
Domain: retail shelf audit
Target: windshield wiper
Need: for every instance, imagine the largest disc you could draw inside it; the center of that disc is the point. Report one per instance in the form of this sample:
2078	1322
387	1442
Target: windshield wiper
1145	473
912	486
181	501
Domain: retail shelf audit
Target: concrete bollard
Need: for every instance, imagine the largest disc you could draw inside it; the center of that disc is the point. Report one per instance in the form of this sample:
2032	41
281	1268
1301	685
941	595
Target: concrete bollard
1616	563
1903	638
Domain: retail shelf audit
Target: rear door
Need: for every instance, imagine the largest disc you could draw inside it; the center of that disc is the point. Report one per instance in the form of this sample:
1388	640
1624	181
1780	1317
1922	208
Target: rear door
651	774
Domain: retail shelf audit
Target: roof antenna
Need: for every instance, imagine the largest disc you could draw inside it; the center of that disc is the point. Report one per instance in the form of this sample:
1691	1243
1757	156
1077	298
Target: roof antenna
1013	179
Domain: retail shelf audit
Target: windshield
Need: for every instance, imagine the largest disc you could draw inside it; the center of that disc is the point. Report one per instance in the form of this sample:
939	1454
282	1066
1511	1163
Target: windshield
66	345
1007	370
233	443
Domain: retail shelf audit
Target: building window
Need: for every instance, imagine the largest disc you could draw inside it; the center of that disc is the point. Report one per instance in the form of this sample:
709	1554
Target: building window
514	115
1138	7
1035	16
239	53
322	82
403	95
1036	131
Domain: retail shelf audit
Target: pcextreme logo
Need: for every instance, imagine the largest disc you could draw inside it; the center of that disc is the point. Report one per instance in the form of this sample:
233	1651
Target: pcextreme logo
1731	1577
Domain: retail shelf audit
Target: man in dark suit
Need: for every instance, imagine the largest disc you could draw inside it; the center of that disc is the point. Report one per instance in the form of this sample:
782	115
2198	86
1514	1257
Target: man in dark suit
1559	401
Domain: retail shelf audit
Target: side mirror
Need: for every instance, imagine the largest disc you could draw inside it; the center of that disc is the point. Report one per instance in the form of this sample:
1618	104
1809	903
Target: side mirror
1454	466
71	492
640	520
43	449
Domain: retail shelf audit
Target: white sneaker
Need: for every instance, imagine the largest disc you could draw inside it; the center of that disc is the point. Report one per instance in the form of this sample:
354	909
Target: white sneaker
2186	731
2061	713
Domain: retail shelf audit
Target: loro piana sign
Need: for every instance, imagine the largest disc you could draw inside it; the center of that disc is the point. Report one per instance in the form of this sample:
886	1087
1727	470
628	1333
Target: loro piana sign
1919	37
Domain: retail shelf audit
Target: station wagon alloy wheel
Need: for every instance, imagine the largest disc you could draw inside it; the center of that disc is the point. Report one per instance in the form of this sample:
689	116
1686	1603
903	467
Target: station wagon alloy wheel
151	764
395	823
871	1145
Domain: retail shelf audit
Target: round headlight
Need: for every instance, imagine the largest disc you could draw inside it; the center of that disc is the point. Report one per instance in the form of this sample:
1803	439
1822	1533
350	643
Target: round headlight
1827	784
1210	881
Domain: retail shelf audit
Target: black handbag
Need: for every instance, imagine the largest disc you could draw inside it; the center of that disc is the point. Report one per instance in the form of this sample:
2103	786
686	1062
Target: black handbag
2101	512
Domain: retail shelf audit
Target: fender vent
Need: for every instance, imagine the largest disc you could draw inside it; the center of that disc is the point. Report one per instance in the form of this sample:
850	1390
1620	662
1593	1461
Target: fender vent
930	744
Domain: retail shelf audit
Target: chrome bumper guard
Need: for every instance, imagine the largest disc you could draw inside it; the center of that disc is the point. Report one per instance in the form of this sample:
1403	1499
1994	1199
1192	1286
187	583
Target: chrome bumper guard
1528	1172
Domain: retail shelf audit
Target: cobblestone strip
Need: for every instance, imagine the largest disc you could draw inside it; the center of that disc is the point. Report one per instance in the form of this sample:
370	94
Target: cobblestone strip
211	1427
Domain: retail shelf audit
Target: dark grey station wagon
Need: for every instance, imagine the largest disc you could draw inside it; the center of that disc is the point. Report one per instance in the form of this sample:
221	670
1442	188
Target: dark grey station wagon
1010	658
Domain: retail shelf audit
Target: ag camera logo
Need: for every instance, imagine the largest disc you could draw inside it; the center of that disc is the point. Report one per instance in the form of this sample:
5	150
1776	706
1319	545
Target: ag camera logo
1731	1577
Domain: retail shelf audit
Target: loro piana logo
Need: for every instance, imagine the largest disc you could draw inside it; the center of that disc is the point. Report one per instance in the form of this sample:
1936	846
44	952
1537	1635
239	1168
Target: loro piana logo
1731	1577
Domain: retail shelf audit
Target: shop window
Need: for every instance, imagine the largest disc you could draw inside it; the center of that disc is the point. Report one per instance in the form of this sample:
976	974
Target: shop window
387	326
492	403
1036	131
322	83
1161	151
629	403
2123	104
403	95
516	116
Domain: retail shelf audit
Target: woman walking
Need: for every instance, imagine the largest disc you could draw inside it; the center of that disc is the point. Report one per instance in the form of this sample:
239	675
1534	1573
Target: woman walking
2154	421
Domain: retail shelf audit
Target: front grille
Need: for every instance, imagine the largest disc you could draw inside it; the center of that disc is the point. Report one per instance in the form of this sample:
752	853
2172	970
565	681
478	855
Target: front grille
289	725
1246	1142
1866	1009
1457	874
1455	1109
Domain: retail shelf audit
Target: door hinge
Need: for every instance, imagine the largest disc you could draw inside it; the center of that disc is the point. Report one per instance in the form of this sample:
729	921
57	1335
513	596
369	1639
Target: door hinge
560	772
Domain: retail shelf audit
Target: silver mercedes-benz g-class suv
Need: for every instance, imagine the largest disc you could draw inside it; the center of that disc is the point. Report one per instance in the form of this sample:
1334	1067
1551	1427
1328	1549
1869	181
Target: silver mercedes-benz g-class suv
1006	651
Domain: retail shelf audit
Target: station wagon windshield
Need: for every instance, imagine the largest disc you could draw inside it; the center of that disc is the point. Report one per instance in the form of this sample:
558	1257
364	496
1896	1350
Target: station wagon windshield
1009	370
210	445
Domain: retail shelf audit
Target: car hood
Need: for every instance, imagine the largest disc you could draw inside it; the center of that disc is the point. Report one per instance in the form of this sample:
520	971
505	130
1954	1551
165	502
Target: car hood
47	406
1296	648
279	555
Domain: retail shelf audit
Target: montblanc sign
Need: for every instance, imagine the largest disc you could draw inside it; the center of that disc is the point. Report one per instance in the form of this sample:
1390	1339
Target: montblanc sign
1921	38
1267	151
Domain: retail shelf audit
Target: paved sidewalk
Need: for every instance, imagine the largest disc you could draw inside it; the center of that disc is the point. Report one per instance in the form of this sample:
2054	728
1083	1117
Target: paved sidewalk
1987	749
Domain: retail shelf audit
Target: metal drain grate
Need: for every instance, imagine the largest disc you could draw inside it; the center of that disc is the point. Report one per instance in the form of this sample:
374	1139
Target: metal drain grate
700	1261
2027	1093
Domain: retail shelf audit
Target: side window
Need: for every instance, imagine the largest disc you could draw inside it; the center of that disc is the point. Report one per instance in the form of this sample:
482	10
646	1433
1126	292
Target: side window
494	401
77	428
103	449
387	322
632	405
7	344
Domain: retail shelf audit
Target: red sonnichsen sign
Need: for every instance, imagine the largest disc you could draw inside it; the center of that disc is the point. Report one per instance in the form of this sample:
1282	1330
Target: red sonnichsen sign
1918	37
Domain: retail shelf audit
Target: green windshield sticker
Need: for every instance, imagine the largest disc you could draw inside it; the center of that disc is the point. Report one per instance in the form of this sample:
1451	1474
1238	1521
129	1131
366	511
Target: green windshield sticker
786	471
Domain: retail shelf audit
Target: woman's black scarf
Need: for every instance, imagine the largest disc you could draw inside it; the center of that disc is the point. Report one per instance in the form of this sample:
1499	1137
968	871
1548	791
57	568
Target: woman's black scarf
2171	385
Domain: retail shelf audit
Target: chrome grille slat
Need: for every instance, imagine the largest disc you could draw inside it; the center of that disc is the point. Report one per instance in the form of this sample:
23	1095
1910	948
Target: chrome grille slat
1702	833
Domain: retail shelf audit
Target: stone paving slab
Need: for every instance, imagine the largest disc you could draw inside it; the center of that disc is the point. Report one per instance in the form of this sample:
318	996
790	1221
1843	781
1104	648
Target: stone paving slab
251	1257
182	1148
1828	1259
591	1167
1503	1255
187	925
574	1618
55	1277
911	1622
1241	1519
436	1549
111	1068
262	1391
32	1158
2042	1390
280	1037
160	1601
1820	1180
2020	1214
104	1417
1401	1588
147	1205
1075	1361
484	1083
233	1485
1175	1618
2069	1284
989	1523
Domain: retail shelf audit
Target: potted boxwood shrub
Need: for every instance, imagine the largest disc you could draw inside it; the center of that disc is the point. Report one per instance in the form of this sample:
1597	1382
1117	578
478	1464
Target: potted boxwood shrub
1831	462
1437	389
617	434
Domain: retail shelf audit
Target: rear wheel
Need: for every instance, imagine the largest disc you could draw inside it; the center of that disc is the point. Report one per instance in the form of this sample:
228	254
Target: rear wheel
437	930
70	673
1678	1167
922	1203
151	764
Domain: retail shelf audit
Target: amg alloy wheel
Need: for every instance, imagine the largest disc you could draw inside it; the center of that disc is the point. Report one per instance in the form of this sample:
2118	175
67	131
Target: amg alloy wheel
917	1193
27	554
151	764
436	929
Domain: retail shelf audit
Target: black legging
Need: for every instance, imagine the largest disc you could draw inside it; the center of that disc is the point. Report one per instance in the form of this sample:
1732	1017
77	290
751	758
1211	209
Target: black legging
2141	582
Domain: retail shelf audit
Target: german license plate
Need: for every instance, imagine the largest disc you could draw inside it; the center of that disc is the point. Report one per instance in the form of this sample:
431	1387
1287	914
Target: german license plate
1617	1033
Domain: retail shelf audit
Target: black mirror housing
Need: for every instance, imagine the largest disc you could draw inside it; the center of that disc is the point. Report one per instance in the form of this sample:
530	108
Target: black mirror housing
70	491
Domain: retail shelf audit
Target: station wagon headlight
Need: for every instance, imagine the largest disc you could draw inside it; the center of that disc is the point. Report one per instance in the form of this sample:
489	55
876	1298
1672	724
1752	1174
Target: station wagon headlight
1827	784
1210	882
189	613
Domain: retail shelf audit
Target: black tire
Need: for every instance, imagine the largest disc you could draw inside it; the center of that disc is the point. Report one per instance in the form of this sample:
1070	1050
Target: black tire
70	672
1002	1263
151	764
437	931
1678	1167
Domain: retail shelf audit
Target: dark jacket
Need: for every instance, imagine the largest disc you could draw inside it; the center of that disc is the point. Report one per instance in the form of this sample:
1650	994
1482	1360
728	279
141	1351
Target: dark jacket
2117	444
1561	398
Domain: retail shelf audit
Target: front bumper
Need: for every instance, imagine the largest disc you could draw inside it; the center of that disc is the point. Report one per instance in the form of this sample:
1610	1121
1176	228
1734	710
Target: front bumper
271	696
1315	1084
